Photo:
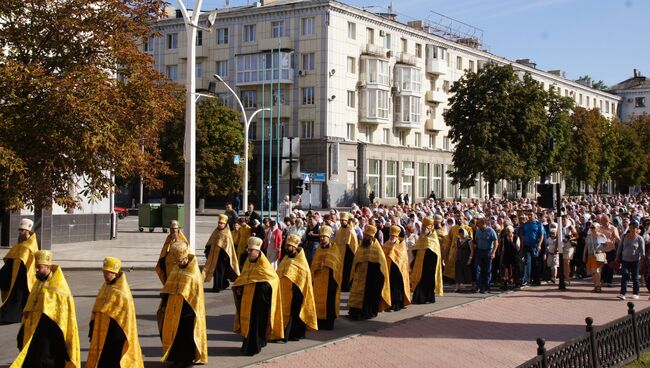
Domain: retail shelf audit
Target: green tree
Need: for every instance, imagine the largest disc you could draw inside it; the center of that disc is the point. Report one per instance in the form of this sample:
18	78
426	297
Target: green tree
584	153
640	125
78	98
596	84
631	168
219	137
610	148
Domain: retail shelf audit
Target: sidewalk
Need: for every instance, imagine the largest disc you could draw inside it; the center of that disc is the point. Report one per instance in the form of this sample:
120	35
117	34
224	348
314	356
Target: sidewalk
493	332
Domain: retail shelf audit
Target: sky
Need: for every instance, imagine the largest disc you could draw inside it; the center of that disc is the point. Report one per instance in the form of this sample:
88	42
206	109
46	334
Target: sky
605	39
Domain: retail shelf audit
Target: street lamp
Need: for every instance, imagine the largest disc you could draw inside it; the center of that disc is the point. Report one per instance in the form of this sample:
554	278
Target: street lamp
247	122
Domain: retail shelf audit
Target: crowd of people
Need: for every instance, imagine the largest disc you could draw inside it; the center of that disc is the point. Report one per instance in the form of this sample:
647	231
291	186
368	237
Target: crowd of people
287	276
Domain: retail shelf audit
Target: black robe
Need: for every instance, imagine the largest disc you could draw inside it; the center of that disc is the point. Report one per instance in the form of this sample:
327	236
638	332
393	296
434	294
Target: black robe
332	286
47	348
183	350
223	272
296	328
372	294
347	268
259	319
12	309
396	287
425	291
112	350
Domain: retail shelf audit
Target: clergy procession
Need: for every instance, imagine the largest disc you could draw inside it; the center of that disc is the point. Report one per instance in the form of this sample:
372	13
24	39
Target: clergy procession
276	301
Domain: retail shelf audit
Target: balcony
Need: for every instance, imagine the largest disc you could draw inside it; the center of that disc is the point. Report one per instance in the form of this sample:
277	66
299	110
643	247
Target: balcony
436	66
407	124
436	96
255	69
364	118
435	124
408	59
200	52
268	44
376	51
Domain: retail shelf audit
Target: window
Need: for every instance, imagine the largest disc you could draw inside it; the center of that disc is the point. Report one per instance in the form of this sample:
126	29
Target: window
471	65
351	98
391	179
418	139
307	129
422	177
404	44
435	52
222	68
408	108
445	86
373	176
222	36
459	63
402	138
370	36
373	103
224	98
386	138
450	190
432	141
350	131
445	143
408	78
407	178
199	38
352	31
172	41
307	95
418	50
277	29
639	102
369	134
436	179
172	72
580	100
254	68
307	26
352	65
607	107
387	44
308	61
252	131
249	33
282	100
588	101
198	70
377	71
148	44
249	99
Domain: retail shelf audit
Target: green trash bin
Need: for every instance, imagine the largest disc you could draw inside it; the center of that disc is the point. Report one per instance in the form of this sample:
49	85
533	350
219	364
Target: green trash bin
175	211
149	215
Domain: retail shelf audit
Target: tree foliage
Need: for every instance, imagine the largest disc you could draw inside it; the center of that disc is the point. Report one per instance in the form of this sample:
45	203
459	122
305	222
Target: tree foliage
219	137
79	98
585	145
595	84
631	158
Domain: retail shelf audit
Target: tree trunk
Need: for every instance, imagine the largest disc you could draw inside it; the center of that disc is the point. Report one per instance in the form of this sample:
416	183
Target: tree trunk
491	186
524	188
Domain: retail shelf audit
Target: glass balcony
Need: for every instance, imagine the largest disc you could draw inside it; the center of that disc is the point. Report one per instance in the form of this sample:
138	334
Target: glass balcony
256	69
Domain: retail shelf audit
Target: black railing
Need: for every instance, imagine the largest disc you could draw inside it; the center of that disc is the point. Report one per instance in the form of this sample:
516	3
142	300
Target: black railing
612	345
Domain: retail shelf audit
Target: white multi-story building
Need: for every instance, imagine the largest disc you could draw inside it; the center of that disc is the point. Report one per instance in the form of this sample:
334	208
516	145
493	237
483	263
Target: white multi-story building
635	96
364	93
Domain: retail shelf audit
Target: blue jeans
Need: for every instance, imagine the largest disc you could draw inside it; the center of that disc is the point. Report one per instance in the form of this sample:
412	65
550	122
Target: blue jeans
530	263
628	268
483	269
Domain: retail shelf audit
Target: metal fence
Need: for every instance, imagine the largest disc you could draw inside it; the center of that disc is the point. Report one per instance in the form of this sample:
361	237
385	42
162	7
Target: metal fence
612	345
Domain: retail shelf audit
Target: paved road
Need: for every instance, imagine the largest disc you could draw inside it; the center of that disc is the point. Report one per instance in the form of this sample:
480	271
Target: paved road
223	344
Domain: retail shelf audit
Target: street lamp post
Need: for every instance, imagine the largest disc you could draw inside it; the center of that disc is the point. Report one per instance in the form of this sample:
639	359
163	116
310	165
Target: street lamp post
247	122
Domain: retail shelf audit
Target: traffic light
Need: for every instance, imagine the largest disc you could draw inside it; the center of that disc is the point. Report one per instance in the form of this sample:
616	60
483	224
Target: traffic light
546	197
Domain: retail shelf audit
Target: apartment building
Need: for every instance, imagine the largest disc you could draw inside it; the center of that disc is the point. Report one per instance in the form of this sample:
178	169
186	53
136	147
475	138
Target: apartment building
635	96
363	93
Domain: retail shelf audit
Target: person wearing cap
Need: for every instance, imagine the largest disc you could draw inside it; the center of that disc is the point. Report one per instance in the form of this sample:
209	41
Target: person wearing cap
298	307
449	242
629	255
426	269
346	240
18	274
370	283
326	271
49	335
181	315
258	301
398	269
166	260
113	326
221	257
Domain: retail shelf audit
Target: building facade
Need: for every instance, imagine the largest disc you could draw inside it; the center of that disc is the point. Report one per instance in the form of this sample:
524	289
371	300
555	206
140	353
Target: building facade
635	96
363	93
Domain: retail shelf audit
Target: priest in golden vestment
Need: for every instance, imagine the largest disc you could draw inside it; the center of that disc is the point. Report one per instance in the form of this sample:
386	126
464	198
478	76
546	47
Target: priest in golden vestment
258	301
113	326
398	269
298	307
221	257
166	260
450	246
370	290
347	242
326	271
426	268
241	242
18	275
49	336
182	326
